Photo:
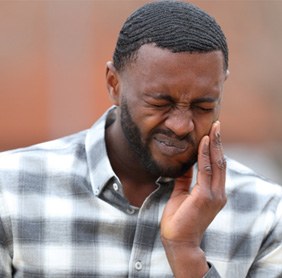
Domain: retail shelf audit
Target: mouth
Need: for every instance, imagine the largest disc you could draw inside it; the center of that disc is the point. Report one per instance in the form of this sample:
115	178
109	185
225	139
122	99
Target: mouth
170	146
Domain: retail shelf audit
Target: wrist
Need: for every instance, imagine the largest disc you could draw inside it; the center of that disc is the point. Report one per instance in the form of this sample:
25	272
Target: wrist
185	258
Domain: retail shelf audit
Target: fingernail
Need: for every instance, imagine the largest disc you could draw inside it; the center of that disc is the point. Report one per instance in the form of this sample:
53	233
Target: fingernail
217	129
206	144
207	140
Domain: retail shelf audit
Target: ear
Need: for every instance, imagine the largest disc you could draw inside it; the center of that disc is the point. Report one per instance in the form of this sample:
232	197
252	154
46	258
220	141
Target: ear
113	84
227	75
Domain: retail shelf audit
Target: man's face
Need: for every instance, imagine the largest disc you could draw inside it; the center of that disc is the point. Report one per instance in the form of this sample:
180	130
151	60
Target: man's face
168	102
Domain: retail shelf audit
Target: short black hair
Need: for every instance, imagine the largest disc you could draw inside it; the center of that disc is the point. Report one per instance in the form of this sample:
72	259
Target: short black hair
173	25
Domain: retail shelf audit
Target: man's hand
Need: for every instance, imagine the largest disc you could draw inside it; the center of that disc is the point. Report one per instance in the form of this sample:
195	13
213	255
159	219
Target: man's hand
188	214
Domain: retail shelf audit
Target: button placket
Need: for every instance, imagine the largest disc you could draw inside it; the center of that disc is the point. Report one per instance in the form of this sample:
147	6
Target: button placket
130	210
145	235
138	265
115	186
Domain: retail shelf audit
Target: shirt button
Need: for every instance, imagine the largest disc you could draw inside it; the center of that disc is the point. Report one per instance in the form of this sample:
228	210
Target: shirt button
138	265
130	210
115	186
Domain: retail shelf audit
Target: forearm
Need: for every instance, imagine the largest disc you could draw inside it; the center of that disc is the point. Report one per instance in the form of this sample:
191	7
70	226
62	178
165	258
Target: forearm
185	261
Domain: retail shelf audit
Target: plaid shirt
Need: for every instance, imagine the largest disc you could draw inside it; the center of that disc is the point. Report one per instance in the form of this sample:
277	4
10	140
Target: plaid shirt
63	214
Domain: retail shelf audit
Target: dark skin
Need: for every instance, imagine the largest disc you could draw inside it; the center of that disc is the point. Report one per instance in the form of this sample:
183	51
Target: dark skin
174	101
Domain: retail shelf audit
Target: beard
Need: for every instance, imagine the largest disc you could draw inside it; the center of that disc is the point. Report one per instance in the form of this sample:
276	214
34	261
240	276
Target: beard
133	135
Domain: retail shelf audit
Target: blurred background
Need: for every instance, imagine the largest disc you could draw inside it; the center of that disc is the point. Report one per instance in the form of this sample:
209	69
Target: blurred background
52	69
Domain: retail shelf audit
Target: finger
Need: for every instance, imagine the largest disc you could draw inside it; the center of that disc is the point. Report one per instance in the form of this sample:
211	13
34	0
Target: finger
218	163
182	184
204	163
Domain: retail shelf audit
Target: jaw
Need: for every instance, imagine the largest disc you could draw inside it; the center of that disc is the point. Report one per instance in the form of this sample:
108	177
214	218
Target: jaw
172	161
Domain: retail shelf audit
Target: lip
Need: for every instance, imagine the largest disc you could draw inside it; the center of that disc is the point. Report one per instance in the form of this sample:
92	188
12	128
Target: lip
170	146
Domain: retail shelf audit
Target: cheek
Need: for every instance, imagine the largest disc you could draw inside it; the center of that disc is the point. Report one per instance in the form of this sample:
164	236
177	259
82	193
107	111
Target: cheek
149	119
148	125
203	125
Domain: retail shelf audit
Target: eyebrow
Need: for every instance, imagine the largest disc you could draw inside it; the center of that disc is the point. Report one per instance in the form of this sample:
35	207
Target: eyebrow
197	100
162	97
206	99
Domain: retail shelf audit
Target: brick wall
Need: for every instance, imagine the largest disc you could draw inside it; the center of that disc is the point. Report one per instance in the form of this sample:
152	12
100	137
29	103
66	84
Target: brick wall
53	56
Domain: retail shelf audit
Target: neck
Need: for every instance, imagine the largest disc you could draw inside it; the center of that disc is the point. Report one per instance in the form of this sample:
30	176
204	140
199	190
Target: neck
137	182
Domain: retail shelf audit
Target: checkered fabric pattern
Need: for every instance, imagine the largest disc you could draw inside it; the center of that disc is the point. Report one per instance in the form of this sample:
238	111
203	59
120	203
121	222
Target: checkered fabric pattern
63	214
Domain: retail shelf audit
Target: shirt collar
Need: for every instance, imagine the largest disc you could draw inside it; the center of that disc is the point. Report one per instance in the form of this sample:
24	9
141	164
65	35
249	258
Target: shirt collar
98	162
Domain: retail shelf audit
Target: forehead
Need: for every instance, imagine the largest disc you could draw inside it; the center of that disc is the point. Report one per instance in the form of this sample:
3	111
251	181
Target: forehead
155	66
151	53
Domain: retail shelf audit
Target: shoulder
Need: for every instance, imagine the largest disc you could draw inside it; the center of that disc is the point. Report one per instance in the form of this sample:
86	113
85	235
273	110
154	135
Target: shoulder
41	159
247	190
46	147
239	175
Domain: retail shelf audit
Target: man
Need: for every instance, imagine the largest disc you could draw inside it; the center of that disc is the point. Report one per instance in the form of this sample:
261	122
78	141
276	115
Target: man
146	192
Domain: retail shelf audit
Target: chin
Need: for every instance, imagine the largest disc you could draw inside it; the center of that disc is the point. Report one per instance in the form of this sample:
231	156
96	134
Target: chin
174	171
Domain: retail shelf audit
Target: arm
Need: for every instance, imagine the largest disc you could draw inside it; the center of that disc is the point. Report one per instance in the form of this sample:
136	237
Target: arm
188	214
268	262
5	251
5	259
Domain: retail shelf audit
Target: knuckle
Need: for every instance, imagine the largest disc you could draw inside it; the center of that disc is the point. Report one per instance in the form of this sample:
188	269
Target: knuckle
221	163
224	200
204	204
212	200
206	153
206	156
217	140
221	200
217	143
207	199
208	169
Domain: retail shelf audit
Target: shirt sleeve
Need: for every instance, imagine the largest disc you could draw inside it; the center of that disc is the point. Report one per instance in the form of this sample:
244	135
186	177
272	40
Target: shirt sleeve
268	262
5	241
212	273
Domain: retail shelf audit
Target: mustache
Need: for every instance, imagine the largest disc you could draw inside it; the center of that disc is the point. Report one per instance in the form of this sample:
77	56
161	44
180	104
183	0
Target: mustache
188	138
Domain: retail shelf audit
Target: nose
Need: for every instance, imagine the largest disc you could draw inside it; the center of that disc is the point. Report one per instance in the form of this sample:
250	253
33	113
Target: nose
180	121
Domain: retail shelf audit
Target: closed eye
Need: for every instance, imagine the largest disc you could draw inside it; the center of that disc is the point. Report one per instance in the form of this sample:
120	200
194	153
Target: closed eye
159	104
204	109
162	105
159	100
